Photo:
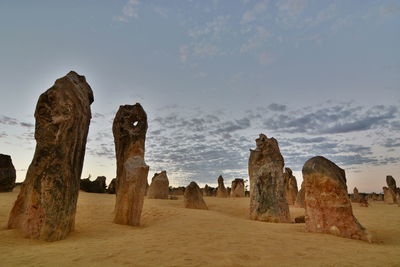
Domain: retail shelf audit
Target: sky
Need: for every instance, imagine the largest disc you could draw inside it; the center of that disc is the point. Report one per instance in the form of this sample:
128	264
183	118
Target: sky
322	77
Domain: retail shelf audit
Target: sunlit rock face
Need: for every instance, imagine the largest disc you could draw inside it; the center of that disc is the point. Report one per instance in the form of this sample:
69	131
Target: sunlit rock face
46	206
237	188
129	129
7	174
267	184
221	190
193	198
390	192
327	205
291	189
159	187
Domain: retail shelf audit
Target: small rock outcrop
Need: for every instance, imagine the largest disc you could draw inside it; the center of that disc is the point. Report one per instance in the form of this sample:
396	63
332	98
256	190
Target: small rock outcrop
299	203
267	184
193	199
7	174
159	187
327	205
209	191
221	190
390	191
356	195
129	130
96	186
46	205
363	200
237	188
177	191
112	186
291	189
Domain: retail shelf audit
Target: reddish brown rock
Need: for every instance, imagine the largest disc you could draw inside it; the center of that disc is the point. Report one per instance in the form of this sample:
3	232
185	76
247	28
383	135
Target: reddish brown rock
193	199
390	192
7	174
299	203
291	189
111	186
237	188
327	205
159	187
267	184
46	205
221	190
129	129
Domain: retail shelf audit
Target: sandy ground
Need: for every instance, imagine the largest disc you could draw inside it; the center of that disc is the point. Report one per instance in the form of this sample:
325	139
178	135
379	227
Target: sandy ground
171	235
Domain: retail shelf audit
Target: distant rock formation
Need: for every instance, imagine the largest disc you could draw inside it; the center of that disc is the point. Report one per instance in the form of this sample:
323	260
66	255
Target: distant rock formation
327	205
363	200
299	203
209	191
46	205
356	195
177	191
129	130
267	184
193	199
7	174
159	187
96	186
221	190
112	186
237	188
291	189
390	192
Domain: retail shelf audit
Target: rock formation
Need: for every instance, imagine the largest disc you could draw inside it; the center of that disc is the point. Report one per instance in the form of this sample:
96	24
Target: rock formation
7	174
46	205
299	203
159	187
267	184
129	129
96	186
209	191
390	191
363	200
193	199
327	205
112	186
221	190
356	195
177	191
291	189
237	188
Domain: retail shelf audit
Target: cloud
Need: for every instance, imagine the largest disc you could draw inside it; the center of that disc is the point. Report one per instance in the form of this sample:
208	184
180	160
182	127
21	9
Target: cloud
3	135
392	142
8	120
252	14
257	40
277	107
130	10
291	7
26	124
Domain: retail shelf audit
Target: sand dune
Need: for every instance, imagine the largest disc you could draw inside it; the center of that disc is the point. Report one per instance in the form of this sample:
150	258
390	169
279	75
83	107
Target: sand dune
171	235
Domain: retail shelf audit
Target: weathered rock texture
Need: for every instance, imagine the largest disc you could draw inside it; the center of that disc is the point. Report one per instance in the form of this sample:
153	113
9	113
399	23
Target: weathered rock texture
299	203
129	129
46	205
327	205
193	199
237	188
7	174
390	191
96	186
356	195
159	187
291	189
267	184
112	186
221	190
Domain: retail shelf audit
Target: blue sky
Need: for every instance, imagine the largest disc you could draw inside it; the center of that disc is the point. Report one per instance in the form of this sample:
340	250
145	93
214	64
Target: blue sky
323	77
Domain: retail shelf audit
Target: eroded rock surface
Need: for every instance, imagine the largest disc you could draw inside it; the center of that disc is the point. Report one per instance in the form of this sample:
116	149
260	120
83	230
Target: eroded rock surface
159	187
7	174
193	199
390	191
129	129
267	184
291	189
112	186
327	205
221	190
237	188
299	203
46	205
96	186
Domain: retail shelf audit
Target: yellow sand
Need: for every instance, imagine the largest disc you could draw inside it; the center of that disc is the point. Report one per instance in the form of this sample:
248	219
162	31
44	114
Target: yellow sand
222	236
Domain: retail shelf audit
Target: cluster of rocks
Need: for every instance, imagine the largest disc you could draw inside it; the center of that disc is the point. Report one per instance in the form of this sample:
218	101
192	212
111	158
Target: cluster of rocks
96	186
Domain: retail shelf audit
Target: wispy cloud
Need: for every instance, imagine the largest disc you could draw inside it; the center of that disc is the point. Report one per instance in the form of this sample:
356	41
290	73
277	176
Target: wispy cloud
251	14
130	10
